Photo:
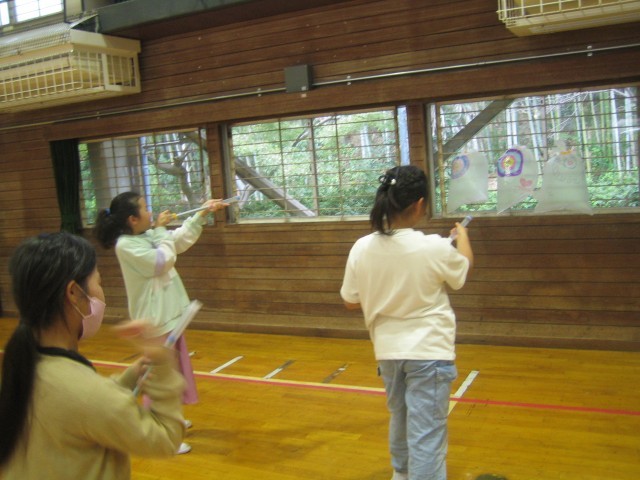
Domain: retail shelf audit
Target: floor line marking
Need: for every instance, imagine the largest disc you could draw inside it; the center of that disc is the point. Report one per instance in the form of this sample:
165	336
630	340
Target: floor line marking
337	372
463	388
278	370
467	382
380	391
296	384
130	357
225	365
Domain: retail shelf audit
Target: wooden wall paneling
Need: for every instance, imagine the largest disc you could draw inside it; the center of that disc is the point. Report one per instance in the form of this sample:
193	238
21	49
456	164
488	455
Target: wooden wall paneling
360	53
241	55
245	63
249	277
27	183
417	128
335	56
555	284
214	148
28	202
267	275
441	86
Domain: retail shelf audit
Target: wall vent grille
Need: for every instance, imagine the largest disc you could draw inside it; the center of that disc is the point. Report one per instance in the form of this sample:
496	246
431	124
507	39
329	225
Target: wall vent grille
58	65
535	17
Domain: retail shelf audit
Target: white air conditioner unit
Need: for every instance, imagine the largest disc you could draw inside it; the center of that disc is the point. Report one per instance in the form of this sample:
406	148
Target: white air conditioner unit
58	65
535	17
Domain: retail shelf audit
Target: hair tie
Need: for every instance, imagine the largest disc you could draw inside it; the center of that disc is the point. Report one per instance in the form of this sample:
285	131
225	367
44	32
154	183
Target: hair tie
387	180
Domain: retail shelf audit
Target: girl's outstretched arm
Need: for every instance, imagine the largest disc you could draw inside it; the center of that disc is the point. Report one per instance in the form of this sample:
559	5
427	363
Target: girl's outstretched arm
463	244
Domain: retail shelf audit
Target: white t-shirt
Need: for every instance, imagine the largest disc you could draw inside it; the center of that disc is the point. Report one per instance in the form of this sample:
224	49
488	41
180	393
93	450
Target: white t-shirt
399	281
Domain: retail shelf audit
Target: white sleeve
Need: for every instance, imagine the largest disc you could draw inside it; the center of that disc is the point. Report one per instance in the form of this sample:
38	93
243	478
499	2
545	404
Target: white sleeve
188	233
149	259
349	290
456	269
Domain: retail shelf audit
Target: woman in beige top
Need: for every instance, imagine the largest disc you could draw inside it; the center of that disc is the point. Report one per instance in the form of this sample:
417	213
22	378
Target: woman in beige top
60	419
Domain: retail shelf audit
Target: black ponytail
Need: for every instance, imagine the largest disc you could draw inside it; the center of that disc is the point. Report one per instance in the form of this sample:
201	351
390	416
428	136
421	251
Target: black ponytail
18	376
399	188
114	221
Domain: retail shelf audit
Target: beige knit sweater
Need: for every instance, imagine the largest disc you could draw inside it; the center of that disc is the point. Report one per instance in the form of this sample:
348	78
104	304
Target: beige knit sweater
84	426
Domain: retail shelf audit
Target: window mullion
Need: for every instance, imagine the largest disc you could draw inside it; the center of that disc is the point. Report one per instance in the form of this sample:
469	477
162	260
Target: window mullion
314	167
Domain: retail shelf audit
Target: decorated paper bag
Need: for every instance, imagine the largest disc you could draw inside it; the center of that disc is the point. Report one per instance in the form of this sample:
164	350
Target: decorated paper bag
517	176
564	184
468	180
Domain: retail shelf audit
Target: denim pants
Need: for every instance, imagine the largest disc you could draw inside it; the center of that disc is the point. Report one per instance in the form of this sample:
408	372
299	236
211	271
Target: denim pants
418	399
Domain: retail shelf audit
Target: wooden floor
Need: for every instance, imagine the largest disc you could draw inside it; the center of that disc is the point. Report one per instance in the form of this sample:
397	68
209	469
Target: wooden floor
292	408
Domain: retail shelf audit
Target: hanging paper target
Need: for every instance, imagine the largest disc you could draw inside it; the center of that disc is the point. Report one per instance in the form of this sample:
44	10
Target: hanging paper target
564	184
468	180
517	176
511	163
459	166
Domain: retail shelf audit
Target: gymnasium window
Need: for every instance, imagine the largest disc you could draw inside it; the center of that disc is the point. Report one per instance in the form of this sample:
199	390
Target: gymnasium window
171	169
312	167
553	136
17	11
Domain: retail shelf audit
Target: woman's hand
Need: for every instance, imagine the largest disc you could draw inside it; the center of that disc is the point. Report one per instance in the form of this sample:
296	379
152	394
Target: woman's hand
213	205
145	337
158	355
137	330
458	230
462	242
164	218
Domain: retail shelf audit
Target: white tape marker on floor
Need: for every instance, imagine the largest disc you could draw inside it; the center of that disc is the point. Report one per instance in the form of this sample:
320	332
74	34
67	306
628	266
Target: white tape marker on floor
225	365
279	369
330	378
463	388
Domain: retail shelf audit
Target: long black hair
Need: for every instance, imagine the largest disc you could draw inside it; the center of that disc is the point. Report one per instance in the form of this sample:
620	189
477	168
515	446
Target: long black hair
41	268
113	221
399	188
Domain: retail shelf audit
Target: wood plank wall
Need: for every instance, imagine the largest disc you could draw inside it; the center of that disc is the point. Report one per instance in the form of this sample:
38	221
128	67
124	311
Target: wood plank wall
541	280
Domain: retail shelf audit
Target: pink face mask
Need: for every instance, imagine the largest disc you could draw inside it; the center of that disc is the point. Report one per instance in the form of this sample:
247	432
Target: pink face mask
91	323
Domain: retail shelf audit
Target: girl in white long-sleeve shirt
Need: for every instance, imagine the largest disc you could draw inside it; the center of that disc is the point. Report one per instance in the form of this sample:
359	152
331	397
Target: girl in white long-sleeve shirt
147	258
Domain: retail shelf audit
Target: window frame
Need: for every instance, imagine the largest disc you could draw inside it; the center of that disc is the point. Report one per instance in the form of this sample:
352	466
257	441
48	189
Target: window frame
400	156
39	20
152	200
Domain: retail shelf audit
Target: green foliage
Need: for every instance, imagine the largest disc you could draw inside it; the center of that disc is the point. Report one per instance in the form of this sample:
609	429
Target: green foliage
329	164
88	193
170	169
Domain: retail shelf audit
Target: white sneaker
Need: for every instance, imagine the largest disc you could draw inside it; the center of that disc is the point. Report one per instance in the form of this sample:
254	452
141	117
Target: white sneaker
188	424
183	448
400	476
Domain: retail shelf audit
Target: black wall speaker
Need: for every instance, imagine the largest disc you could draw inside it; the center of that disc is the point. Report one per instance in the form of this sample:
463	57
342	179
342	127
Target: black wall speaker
298	78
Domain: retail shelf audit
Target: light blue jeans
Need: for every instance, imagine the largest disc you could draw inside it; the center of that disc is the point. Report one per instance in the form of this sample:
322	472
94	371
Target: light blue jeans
418	399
